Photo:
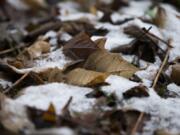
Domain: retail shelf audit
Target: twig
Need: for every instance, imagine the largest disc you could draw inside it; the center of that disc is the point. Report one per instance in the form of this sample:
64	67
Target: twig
135	128
17	82
133	132
11	50
154	36
161	68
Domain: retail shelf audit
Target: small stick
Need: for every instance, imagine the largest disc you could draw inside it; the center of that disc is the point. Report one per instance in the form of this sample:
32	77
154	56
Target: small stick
152	35
153	86
17	82
161	68
10	50
133	132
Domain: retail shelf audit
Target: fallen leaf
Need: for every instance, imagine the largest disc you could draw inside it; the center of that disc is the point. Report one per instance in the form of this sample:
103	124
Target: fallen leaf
143	46
80	47
84	77
101	43
50	114
102	61
162	132
35	4
175	75
37	49
160	17
138	91
54	75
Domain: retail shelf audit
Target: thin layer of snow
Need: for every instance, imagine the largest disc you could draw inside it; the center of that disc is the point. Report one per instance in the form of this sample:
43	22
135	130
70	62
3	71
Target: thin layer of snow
164	112
54	59
172	31
65	36
118	85
50	34
58	94
136	8
174	88
4	83
68	7
116	36
18	4
80	15
148	74
14	116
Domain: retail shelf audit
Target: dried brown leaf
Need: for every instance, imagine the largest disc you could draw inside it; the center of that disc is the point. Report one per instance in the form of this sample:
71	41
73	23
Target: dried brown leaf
84	77
138	91
38	48
175	75
102	61
80	47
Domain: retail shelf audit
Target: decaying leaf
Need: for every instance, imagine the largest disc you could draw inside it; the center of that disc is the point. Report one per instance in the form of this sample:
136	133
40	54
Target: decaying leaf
80	47
50	114
175	75
101	43
144	46
102	61
54	75
160	17
138	91
37	49
35	4
84	77
162	132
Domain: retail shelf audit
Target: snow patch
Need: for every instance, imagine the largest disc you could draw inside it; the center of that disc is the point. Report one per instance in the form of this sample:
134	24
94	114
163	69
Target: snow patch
58	94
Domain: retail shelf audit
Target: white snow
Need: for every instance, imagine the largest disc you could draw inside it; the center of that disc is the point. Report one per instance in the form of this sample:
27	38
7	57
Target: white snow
14	116
136	9
4	83
118	85
174	88
172	30
148	74
18	4
58	94
54	59
165	112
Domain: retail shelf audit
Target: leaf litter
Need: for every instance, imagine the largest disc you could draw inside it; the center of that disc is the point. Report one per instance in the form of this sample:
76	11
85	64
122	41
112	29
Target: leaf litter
106	67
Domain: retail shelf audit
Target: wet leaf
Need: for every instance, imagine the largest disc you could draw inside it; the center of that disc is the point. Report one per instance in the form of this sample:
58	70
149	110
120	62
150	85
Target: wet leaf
138	91
102	61
80	47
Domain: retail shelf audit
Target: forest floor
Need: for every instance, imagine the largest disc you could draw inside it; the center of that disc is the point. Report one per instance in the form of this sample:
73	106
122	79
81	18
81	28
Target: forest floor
95	67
